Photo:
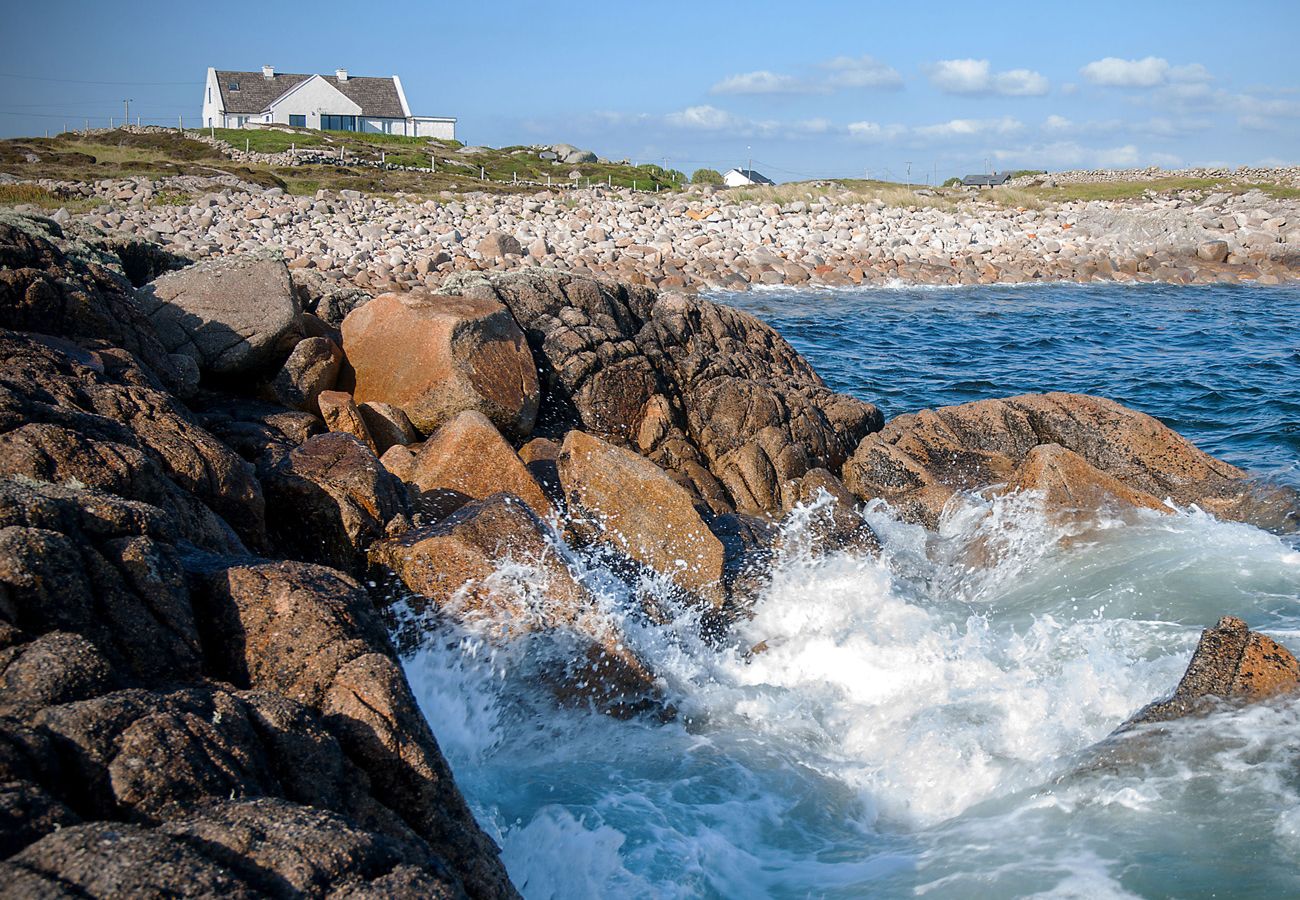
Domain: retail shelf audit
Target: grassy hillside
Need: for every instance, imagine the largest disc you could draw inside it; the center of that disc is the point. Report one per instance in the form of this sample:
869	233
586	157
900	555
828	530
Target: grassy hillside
74	156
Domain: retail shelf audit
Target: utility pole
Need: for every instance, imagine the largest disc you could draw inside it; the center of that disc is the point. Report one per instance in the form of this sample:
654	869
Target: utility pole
749	173
909	174
126	118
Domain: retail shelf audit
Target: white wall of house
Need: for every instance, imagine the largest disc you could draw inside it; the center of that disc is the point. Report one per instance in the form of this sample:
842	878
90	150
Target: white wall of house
432	126
312	98
735	179
212	113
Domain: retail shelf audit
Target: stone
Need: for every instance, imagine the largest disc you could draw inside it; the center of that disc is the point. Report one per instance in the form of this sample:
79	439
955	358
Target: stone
342	415
231	315
311	368
56	285
705	391
1213	251
619	498
64	422
498	244
338	485
433	356
920	460
388	425
1070	484
1231	664
468	459
451	567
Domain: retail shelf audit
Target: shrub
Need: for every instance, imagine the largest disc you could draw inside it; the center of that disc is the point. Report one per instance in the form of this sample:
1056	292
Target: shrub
952	182
706	176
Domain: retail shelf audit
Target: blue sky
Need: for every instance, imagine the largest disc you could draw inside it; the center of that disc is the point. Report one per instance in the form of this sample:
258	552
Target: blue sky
807	89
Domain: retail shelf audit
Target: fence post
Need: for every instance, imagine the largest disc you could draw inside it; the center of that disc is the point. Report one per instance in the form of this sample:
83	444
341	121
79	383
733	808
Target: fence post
633	184
482	174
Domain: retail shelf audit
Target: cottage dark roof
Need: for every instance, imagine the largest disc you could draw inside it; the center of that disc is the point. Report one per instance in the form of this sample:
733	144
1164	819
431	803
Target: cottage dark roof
754	177
375	96
997	178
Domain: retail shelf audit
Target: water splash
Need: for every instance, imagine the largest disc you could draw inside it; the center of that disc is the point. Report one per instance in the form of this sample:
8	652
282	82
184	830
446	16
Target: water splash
909	723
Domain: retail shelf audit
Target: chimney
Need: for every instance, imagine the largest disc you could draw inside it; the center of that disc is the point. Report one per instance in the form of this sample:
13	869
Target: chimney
341	74
268	72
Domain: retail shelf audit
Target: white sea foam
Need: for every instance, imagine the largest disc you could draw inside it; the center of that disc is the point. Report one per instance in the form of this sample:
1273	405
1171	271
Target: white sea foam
916	723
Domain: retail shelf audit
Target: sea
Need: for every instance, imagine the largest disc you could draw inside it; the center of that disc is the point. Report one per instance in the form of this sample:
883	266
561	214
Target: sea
922	724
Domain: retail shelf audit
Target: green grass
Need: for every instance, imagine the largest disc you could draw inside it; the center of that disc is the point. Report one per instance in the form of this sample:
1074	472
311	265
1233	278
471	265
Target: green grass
18	194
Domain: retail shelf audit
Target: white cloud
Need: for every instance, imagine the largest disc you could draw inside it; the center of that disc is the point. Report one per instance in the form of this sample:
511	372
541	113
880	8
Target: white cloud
1020	83
839	73
875	132
861	72
1192	72
761	82
959	128
1150	71
705	118
1058	123
976	76
1072	155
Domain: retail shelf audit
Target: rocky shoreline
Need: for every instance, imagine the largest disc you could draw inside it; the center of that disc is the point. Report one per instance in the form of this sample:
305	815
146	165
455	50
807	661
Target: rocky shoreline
232	491
707	240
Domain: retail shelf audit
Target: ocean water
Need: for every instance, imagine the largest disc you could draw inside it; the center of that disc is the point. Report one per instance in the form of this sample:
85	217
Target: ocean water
919	726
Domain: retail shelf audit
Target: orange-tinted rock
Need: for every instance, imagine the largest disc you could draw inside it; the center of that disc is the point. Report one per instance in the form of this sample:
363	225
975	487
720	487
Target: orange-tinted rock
918	461
340	413
1070	483
451	567
1231	663
434	356
388	425
469	457
619	498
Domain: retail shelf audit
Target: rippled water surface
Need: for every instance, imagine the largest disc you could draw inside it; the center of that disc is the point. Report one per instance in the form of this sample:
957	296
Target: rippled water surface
919	726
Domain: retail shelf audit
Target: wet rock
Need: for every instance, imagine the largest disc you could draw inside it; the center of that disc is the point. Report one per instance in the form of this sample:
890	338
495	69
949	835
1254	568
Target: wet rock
1070	484
920	460
434	356
252	428
618	498
468	459
452	567
832	520
311	368
231	315
1232	664
338	485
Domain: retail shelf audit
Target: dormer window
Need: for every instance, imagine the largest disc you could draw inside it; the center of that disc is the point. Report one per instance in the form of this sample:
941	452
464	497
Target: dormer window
233	86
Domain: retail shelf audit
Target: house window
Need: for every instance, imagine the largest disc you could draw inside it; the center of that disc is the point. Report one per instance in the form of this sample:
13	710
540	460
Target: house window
209	95
232	86
298	121
338	123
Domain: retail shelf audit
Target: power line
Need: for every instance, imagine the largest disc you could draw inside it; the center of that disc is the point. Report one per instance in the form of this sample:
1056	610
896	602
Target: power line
114	83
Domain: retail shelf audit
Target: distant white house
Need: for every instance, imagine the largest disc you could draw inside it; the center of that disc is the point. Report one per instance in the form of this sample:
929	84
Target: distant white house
338	102
744	178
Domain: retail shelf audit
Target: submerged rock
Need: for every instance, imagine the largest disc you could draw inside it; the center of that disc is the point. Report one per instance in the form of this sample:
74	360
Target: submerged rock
434	356
1231	663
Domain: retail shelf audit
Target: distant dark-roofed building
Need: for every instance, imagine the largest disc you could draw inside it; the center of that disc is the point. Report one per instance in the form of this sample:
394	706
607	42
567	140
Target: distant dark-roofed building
997	179
744	178
338	102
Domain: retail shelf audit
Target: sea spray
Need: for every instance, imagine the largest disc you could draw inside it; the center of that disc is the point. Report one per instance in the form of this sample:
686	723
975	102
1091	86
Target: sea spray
889	724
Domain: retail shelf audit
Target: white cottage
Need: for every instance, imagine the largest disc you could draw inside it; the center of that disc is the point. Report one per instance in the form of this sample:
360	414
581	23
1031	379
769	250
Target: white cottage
338	102
744	178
